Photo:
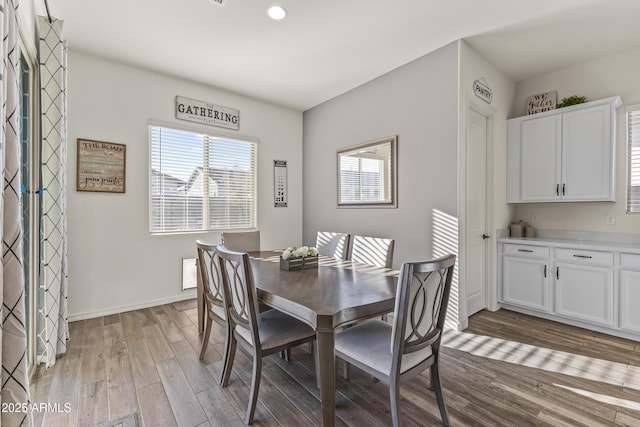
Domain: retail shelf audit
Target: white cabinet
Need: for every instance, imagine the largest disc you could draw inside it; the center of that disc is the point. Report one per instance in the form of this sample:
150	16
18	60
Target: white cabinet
591	285
584	292
525	276
563	155
630	292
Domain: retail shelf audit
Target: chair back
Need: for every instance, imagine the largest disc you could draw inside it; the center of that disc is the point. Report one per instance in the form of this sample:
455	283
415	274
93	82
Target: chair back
422	298
241	241
210	275
240	289
372	251
332	244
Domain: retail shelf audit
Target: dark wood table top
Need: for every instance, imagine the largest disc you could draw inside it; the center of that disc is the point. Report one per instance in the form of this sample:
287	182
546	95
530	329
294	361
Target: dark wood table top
335	293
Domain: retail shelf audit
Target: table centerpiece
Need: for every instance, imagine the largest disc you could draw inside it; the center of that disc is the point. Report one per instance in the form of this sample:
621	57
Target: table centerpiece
294	258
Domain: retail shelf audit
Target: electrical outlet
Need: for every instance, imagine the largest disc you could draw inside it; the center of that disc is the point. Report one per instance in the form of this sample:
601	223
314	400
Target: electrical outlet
533	218
609	219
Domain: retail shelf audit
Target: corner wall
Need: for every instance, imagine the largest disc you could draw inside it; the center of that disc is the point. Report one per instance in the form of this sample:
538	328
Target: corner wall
114	263
474	67
419	103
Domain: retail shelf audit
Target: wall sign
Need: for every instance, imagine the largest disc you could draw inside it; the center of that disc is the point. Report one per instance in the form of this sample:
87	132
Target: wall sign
209	114
280	183
482	90
101	166
541	102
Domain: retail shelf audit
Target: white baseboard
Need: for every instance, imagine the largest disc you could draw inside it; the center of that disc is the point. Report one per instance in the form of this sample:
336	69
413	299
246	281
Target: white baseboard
121	309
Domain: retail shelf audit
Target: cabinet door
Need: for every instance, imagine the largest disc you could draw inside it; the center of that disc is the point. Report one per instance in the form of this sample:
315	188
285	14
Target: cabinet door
525	282
629	298
587	154
584	293
540	151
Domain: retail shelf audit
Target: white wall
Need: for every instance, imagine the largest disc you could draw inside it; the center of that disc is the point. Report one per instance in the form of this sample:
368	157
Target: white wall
418	102
114	263
602	78
474	67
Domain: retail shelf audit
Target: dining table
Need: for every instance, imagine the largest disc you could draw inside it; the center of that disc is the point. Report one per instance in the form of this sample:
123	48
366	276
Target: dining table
327	297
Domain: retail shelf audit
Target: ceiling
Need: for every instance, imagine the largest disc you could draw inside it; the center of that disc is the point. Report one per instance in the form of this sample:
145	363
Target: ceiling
325	48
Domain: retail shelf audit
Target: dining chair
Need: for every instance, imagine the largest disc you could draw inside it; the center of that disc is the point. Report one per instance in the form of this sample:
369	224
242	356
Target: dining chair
332	244
212	288
372	251
395	353
241	241
258	334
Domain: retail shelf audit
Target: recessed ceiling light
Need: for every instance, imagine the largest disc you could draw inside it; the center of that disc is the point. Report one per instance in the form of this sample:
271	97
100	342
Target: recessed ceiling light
277	12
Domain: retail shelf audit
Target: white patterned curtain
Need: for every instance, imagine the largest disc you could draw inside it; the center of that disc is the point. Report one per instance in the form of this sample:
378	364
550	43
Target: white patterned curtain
52	324
13	351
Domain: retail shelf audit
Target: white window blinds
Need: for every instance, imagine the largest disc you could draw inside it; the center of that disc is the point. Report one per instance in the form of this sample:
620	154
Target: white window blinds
633	168
200	182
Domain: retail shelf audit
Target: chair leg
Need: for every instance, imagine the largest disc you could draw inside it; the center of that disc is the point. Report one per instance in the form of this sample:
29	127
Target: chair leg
437	385
228	365
225	357
314	350
394	400
286	355
346	370
255	386
205	338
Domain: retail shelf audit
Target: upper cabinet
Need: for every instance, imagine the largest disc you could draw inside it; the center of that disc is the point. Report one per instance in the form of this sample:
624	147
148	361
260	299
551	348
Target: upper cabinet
564	155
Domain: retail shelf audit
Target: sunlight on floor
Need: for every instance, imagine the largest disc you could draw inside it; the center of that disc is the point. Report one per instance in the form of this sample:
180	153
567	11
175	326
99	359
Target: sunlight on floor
604	371
610	400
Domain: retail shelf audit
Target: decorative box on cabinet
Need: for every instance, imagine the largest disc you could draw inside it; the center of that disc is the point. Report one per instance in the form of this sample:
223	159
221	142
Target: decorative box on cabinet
563	155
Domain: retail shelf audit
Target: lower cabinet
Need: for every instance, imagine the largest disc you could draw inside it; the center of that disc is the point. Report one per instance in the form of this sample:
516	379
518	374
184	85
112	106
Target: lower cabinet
584	292
630	292
528	282
589	288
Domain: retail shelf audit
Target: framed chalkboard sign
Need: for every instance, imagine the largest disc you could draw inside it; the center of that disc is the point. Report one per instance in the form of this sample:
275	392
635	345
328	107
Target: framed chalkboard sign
101	166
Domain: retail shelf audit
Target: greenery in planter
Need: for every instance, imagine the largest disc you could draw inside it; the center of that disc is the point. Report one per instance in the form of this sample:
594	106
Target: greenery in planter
572	100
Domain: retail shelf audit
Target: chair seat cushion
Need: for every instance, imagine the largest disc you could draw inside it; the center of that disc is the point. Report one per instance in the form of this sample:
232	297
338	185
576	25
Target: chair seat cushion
277	328
370	342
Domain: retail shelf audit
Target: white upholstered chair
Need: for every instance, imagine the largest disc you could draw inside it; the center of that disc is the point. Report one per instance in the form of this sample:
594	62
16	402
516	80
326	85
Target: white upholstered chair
241	241
372	251
212	288
259	334
332	244
394	353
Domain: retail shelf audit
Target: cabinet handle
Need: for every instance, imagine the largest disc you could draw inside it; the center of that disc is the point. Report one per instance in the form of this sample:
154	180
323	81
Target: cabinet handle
582	256
545	271
557	189
525	250
563	189
558	273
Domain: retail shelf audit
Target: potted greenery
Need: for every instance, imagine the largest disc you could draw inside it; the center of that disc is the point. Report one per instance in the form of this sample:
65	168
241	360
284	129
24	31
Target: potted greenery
572	100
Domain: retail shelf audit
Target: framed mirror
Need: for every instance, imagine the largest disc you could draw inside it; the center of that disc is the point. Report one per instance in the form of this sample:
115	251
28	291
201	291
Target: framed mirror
367	174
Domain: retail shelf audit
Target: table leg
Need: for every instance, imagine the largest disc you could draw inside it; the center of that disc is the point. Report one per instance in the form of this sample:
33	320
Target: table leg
327	376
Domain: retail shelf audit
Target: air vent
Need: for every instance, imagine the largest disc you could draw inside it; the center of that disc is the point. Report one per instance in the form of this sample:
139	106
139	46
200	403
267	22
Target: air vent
221	3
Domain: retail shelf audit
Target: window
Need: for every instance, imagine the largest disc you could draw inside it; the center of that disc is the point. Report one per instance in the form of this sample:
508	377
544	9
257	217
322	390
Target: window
200	182
633	168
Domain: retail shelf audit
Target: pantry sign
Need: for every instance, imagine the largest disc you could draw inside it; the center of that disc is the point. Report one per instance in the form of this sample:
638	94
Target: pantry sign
207	113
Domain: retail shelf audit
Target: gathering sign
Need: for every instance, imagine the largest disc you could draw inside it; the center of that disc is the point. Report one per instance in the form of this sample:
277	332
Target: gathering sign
207	113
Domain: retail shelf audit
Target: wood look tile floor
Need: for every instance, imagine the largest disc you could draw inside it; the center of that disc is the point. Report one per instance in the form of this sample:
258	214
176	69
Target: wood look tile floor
506	369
